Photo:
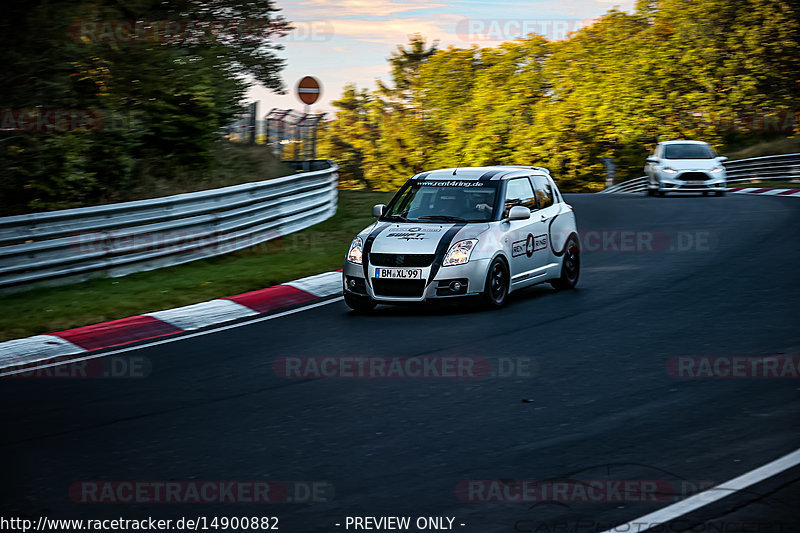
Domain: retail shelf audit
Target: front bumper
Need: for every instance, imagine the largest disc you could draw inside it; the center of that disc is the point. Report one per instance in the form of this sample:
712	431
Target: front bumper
692	181
471	275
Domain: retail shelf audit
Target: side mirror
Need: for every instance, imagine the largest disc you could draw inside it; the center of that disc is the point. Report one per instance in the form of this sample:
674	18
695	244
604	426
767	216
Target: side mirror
377	210
722	158
652	160
519	212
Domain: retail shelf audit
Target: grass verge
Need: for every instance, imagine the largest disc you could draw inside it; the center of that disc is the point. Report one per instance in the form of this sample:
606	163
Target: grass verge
318	249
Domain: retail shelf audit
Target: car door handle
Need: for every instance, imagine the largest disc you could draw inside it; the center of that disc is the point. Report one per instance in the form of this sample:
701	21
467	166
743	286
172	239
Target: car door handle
544	217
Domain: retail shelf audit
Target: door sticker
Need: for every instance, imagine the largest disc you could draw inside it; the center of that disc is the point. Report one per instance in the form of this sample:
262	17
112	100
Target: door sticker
529	245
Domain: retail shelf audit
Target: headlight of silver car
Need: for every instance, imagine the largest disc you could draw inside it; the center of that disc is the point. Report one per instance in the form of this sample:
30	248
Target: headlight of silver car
669	170
459	253
717	170
354	253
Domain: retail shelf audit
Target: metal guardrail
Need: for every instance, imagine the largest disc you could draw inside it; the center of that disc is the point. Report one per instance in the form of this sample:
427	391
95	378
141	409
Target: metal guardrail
754	169
114	240
630	186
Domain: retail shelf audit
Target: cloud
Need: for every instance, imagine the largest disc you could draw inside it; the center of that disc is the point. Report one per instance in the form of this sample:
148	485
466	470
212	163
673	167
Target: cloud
364	8
395	31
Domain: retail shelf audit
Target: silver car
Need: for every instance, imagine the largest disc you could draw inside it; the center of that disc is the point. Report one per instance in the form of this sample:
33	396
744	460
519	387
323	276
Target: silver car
479	232
685	166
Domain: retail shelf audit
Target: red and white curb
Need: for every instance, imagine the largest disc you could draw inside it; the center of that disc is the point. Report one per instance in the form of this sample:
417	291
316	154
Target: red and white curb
765	192
63	344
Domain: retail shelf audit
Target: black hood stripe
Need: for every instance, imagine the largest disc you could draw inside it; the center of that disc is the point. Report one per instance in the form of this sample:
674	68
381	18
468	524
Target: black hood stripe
442	247
368	246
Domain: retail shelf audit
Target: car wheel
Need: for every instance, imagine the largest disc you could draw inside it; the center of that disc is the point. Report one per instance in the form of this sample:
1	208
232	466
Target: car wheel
649	192
660	193
359	304
496	288
570	266
720	193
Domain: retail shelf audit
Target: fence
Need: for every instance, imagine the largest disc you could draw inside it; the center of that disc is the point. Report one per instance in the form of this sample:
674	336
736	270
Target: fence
754	169
117	239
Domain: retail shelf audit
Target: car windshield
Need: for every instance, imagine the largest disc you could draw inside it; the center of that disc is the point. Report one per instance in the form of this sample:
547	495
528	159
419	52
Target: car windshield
688	151
444	201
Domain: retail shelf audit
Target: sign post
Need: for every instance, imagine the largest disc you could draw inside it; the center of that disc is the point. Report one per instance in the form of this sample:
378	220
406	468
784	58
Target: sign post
308	91
611	170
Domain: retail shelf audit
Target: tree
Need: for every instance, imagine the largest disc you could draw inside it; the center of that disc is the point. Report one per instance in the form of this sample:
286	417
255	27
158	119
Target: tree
161	92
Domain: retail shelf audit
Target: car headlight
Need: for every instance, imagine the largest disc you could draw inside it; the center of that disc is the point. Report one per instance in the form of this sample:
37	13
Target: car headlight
355	251
668	170
459	253
717	170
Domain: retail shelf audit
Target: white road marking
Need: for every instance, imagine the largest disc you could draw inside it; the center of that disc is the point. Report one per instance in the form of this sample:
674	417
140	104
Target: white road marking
173	339
203	314
711	495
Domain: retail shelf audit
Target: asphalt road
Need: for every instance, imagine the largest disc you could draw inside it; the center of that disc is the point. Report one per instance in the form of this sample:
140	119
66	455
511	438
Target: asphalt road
596	402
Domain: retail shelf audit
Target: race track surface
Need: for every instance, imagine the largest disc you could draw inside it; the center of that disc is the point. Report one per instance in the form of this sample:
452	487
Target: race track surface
596	400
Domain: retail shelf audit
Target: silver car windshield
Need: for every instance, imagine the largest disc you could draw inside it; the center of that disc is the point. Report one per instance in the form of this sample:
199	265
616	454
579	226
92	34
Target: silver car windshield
688	151
444	201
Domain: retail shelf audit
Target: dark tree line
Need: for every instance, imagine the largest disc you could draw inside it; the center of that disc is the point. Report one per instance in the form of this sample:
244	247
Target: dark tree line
99	95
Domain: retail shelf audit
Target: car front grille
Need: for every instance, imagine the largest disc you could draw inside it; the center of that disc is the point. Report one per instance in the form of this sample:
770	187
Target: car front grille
398	287
401	260
694	176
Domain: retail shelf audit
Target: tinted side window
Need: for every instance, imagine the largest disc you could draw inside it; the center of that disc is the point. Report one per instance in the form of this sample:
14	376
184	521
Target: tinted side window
544	192
519	192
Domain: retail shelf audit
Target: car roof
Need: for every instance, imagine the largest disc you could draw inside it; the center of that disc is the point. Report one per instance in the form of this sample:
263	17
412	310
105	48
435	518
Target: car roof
683	142
491	173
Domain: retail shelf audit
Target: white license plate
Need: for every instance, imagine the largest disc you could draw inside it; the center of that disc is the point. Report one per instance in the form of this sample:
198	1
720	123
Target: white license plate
398	273
694	182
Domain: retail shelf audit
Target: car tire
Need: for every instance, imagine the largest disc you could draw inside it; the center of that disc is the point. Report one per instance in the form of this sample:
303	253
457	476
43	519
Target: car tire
359	304
660	193
498	280
720	193
570	266
649	192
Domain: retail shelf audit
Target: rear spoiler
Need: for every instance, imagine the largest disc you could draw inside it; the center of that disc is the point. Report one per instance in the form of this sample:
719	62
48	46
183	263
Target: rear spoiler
530	167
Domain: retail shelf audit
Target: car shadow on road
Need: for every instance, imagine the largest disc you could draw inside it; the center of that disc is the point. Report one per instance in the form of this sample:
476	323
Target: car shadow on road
462	307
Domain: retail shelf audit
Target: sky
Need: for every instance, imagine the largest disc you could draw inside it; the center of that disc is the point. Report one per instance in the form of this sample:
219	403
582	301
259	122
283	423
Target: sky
341	41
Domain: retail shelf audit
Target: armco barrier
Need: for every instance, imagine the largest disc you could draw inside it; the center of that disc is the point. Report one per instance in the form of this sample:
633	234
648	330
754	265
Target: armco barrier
117	239
754	169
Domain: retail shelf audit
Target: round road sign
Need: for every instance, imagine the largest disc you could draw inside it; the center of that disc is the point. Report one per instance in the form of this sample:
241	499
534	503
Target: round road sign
308	90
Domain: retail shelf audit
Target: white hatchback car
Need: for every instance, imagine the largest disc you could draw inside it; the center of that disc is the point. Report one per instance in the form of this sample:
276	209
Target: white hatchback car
468	232
685	166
